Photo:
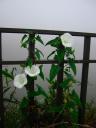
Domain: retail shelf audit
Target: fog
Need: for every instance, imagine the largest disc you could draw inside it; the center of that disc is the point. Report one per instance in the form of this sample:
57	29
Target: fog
74	15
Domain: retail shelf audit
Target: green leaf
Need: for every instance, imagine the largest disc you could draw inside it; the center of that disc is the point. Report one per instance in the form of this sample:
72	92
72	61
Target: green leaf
69	76
70	50
69	105
74	117
41	53
75	97
24	103
54	108
41	91
31	94
60	55
65	83
52	83
25	41
29	62
24	45
49	81
24	37
70	53
41	72
31	38
38	38
56	57
38	53
55	42
51	54
72	65
6	74
54	71
52	92
13	70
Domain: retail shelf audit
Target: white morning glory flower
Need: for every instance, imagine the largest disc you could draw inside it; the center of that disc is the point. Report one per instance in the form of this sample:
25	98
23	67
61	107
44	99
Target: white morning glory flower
33	71
67	40
20	80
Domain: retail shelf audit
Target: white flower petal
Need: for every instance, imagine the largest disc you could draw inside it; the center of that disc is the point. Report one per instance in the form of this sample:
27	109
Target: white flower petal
20	80
67	40
33	71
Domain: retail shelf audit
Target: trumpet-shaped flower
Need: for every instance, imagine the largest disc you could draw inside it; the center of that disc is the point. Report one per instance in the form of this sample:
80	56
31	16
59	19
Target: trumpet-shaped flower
33	71
67	40
20	80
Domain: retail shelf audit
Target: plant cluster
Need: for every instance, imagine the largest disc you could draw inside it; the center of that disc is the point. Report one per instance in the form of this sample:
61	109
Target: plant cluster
50	111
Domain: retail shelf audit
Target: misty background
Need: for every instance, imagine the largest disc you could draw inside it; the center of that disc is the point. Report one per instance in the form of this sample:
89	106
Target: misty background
65	15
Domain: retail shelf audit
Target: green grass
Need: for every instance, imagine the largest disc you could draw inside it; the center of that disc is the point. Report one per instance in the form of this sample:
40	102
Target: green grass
90	117
12	116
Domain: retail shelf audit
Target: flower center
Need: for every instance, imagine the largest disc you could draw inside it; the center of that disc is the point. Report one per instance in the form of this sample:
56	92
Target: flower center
21	79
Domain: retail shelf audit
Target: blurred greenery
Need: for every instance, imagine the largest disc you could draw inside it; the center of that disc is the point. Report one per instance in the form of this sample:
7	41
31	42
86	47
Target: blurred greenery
90	117
29	111
12	116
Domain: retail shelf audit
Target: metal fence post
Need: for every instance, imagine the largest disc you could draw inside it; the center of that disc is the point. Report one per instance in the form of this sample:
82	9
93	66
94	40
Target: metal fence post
1	89
31	55
85	68
59	95
33	116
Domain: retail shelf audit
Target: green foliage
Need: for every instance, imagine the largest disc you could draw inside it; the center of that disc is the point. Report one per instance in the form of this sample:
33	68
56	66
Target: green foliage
54	109
12	116
70	51
55	42
65	83
51	54
60	55
54	71
30	38
25	41
75	98
90	113
24	103
41	72
6	73
74	116
50	110
38	54
38	38
8	77
41	91
71	98
72	66
32	94
29	62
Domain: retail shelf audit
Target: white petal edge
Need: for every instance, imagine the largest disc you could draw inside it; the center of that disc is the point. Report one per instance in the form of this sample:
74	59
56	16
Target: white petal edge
20	80
33	71
67	40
